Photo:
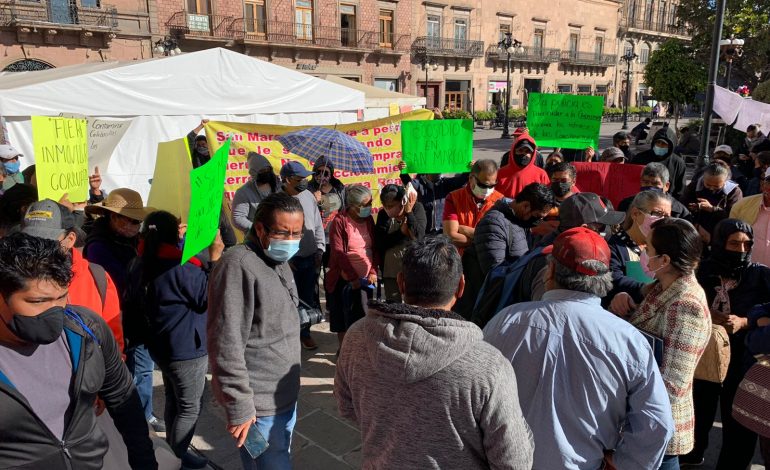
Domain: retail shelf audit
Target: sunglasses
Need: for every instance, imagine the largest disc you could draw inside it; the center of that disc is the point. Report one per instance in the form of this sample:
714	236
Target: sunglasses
486	186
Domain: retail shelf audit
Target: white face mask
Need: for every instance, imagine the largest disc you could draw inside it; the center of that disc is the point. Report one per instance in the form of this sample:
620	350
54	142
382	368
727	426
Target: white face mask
482	193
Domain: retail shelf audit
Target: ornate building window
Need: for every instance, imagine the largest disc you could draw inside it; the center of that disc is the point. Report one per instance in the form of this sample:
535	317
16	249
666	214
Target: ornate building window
27	65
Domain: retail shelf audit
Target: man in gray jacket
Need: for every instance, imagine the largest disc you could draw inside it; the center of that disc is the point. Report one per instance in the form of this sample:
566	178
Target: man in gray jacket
424	388
247	198
306	264
253	331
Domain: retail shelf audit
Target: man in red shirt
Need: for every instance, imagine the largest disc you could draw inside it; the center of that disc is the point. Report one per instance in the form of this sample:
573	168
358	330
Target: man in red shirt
521	169
91	286
465	207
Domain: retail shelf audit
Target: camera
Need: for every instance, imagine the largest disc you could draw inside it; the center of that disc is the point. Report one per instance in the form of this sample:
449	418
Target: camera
309	316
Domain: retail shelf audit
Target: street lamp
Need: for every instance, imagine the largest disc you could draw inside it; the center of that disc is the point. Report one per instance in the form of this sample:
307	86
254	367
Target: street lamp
509	46
426	63
730	48
167	46
628	57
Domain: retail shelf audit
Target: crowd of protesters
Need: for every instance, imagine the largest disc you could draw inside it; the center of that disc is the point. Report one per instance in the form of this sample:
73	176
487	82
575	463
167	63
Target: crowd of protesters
499	318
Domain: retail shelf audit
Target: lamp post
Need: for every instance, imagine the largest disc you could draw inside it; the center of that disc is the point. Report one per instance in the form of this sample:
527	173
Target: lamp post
730	48
719	20
628	57
509	46
167	46
426	63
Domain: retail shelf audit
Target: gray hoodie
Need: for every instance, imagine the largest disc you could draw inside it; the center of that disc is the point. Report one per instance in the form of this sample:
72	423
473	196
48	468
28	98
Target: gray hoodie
429	393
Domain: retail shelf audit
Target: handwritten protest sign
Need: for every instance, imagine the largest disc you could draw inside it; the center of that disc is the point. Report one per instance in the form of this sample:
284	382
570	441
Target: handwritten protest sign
103	137
440	146
566	121
170	190
61	157
206	195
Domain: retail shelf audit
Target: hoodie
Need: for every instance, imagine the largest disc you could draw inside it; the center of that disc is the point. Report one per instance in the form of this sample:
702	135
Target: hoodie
512	178
674	163
427	392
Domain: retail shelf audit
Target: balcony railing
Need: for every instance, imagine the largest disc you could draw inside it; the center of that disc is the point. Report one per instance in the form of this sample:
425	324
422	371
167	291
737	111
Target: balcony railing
656	26
206	26
17	13
448	47
588	58
530	54
390	42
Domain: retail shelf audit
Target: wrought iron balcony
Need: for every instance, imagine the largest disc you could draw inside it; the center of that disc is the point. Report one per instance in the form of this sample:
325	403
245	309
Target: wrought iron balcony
388	42
20	14
642	24
203	26
591	59
447	47
530	54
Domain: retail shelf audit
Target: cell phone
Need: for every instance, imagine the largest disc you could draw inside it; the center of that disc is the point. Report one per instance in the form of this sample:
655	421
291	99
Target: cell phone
409	190
255	443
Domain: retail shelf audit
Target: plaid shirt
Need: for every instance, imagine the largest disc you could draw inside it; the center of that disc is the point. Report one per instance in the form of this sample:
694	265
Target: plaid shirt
679	315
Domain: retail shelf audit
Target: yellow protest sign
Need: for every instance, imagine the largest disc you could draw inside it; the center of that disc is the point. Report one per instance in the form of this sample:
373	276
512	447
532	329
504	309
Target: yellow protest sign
382	137
170	190
393	109
61	157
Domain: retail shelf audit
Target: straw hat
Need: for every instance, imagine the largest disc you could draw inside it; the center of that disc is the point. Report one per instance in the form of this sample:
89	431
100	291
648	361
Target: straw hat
123	201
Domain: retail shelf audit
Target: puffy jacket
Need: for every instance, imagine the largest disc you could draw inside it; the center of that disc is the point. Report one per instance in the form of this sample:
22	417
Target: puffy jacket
174	306
498	237
674	163
512	178
27	443
84	291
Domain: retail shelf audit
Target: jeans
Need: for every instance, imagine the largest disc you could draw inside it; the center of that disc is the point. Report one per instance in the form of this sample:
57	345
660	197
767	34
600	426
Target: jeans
184	382
306	278
140	365
277	430
670	462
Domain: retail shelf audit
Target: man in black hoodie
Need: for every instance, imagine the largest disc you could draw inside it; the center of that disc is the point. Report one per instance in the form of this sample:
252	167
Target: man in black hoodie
662	151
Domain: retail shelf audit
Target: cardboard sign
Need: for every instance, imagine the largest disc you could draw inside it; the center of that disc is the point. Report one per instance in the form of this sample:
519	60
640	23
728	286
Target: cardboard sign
61	157
206	195
438	146
170	190
566	121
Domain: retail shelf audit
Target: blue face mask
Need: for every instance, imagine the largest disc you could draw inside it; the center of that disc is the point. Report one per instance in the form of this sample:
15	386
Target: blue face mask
364	212
12	167
660	151
282	250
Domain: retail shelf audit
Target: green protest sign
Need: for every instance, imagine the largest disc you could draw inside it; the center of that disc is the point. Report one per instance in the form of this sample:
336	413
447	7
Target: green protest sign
438	146
61	157
206	193
566	121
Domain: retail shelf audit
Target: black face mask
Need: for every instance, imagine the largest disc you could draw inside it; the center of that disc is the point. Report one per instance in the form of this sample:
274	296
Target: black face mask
522	160
264	178
529	223
733	261
561	189
301	186
651	188
44	328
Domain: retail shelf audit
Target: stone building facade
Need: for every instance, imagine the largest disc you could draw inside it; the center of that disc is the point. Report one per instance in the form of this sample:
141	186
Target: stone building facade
367	41
43	34
644	25
566	50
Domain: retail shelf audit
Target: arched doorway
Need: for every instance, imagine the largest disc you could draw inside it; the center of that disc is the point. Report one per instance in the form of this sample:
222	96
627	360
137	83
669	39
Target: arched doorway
27	65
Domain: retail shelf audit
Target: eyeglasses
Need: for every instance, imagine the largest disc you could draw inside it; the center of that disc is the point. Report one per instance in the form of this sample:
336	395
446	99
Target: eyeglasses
284	235
486	186
657	213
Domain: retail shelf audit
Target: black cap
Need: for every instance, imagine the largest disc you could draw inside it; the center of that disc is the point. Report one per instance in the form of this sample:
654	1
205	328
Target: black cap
525	144
586	208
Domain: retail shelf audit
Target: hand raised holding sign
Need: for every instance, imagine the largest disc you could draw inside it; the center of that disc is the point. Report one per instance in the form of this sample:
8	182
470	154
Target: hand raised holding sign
95	182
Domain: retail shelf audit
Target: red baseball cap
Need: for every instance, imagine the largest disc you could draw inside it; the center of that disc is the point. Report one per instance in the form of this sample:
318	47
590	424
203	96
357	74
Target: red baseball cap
579	244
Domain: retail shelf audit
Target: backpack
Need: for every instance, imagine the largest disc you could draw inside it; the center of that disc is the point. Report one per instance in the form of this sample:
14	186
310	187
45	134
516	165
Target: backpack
497	291
100	279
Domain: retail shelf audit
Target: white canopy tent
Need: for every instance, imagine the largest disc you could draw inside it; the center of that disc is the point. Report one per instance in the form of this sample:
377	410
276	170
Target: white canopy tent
378	101
166	98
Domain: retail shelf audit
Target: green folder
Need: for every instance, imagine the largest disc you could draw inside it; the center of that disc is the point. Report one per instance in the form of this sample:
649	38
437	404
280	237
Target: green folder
634	271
